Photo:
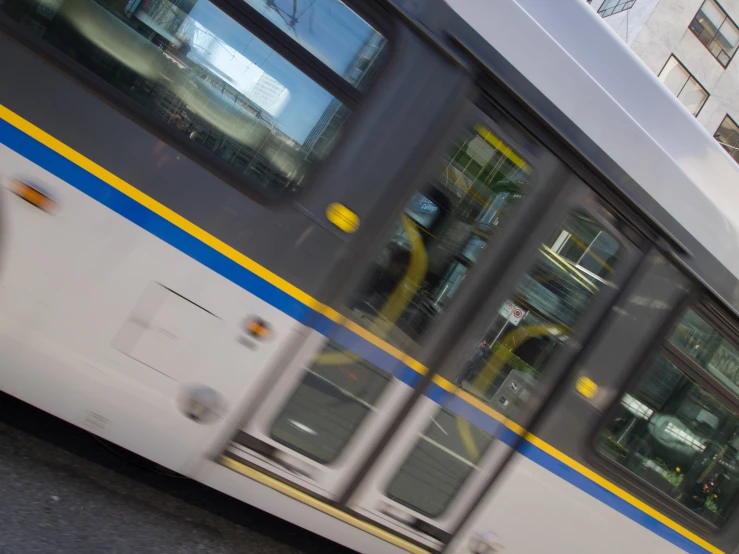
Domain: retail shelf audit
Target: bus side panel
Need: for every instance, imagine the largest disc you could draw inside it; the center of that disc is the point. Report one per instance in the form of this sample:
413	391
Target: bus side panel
565	519
110	327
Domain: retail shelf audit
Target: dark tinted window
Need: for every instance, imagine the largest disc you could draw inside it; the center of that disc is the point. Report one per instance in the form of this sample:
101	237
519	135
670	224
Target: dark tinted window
191	66
675	434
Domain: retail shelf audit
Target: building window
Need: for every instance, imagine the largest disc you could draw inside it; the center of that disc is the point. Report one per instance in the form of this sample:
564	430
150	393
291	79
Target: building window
716	31
728	136
611	7
683	85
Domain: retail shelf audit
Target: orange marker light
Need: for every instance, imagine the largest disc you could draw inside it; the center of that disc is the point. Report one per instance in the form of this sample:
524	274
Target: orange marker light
32	195
257	328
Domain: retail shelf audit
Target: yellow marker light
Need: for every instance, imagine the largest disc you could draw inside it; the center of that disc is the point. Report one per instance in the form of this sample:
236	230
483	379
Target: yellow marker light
342	217
587	387
32	195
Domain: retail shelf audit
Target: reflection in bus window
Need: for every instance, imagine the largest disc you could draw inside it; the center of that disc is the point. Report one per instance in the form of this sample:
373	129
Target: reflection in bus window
698	339
337	391
678	437
509	361
422	266
546	304
426	260
332	32
194	68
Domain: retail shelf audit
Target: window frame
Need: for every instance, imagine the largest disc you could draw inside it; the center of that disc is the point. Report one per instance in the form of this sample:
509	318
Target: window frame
736	147
708	309
690	76
260	27
726	18
601	10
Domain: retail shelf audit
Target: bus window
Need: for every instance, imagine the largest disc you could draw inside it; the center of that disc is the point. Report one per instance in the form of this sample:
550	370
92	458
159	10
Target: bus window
192	67
441	235
697	339
332	32
673	433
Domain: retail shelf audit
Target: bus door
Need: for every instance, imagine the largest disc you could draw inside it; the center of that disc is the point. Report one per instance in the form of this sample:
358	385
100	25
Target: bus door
525	330
327	415
332	403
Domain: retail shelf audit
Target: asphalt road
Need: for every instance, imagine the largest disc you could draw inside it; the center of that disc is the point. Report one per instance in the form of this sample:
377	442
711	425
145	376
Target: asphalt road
61	490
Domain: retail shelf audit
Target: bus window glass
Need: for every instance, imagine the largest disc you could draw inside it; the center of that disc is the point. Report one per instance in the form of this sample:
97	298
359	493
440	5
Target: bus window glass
441	235
337	391
194	68
510	360
332	32
700	341
678	437
417	273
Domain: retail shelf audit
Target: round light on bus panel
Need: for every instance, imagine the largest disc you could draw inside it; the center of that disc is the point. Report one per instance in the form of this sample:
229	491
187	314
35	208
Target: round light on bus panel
342	217
201	403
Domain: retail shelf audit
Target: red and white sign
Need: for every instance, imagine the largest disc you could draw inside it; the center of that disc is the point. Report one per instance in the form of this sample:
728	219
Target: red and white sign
514	314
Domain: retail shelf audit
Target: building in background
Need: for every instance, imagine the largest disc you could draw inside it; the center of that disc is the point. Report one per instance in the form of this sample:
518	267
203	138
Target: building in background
690	45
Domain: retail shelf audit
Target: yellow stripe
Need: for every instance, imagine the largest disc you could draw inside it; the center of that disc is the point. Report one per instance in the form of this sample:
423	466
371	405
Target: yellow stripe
502	147
444	384
231	253
322	506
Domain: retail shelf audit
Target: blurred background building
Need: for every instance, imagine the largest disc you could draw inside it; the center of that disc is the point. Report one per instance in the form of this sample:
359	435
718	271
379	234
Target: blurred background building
690	45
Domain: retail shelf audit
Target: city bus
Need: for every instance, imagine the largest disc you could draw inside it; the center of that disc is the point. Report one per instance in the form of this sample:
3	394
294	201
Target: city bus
418	276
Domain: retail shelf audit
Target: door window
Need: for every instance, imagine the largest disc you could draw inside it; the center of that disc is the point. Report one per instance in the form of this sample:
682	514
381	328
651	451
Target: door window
440	235
513	356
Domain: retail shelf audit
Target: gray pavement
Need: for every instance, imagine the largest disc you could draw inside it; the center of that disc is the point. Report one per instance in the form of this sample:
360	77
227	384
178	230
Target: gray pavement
61	490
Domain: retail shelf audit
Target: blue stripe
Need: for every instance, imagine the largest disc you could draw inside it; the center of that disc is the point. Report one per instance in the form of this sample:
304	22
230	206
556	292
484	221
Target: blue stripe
99	190
480	419
362	347
138	214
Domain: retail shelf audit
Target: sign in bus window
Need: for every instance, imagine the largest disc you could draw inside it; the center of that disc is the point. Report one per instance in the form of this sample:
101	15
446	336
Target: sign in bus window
671	432
191	66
